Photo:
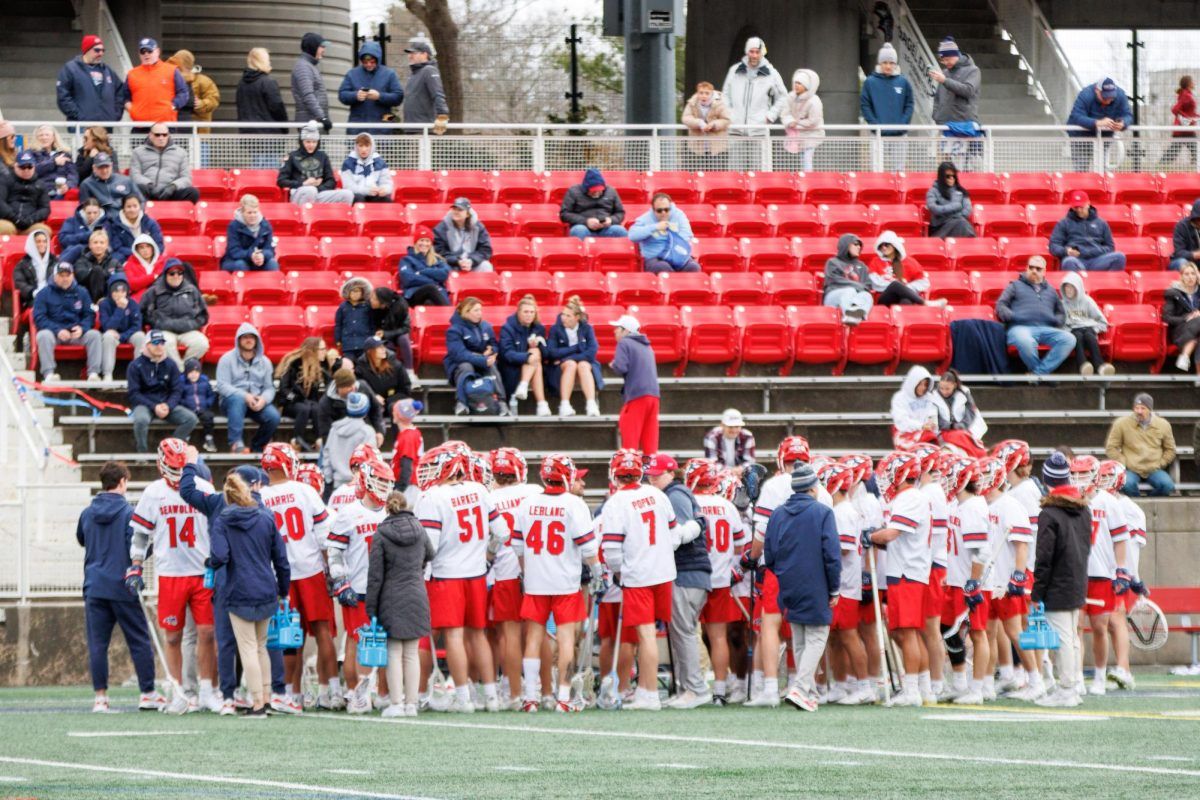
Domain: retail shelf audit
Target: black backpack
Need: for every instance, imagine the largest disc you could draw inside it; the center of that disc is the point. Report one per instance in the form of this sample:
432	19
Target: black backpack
482	398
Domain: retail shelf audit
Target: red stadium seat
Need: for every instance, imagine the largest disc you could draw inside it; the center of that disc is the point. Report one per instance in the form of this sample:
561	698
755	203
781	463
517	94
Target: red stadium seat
929	252
536	219
355	253
1135	333
731	188
557	183
719	255
814	251
690	288
563	254
663	327
859	220
1152	284
1119	218
990	285
914	186
220	284
612	254
539	284
903	220
766	336
12	250
213	216
175	217
739	288
328	219
681	186
425	215
60	211
740	222
484	285
702	217
768	255
429	326
974	254
518	186
1116	288
831	188
213	184
1097	185
954	312
219	244
1142	252
390	249
495	217
1017	251
641	288
1137	187
869	188
781	188
258	182
819	337
1042	219
985	187
221	330
1033	187
591	287
299	252
195	250
1001	220
416	186
315	288
924	334
284	218
873	341
1181	187
796	220
375	277
712	335
511	253
791	288
954	287
319	319
1157	220
381	219
474	185
631	186
264	289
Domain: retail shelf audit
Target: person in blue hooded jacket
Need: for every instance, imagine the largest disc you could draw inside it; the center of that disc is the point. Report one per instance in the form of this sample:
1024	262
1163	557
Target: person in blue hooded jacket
104	534
246	541
120	323
62	313
371	90
1103	108
87	88
77	229
423	273
1082	240
471	349
523	355
249	240
801	548
664	236
572	354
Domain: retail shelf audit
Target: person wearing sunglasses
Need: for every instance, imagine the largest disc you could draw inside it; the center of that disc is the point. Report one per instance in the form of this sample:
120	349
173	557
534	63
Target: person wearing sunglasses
1033	312
87	87
154	90
161	169
664	236
24	202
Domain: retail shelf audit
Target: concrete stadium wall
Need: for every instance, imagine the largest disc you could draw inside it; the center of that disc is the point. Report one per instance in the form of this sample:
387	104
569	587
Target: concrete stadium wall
1176	14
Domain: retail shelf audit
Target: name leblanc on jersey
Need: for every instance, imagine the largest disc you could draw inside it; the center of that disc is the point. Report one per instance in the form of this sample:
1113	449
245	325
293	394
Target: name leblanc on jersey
465	500
546	511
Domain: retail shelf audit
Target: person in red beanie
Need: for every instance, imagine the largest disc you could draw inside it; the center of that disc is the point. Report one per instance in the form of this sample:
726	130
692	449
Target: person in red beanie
423	273
87	87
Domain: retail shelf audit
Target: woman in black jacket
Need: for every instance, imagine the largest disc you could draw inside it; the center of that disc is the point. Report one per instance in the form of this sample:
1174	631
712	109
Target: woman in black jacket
1181	312
96	265
383	373
390	318
258	98
396	597
303	376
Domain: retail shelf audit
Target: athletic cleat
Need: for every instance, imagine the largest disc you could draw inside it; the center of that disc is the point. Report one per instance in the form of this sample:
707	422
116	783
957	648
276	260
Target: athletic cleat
256	713
719	700
1059	698
969	698
643	702
948	694
193	704
227	709
1007	685
801	700
1097	688
688	700
566	707
178	705
410	710
989	693
151	701
285	704
100	704
836	694
1029	694
241	700
928	699
905	699
1121	677
763	699
211	702
393	711
737	693
492	705
529	706
461	707
359	704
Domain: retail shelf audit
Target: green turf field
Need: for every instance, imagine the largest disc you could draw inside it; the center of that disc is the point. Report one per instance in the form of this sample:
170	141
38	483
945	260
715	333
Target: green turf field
1143	744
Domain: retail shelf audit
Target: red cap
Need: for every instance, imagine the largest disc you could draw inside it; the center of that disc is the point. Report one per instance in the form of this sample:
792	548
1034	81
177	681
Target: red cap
660	463
580	474
422	232
1077	198
89	41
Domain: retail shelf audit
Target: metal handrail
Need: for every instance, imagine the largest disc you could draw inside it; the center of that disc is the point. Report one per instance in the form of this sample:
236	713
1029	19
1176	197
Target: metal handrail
41	455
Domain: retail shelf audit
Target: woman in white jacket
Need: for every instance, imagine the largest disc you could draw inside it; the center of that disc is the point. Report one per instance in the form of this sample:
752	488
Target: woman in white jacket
804	116
914	414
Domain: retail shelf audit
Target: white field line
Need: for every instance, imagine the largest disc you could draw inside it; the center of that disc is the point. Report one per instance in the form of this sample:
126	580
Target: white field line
337	791
815	748
107	734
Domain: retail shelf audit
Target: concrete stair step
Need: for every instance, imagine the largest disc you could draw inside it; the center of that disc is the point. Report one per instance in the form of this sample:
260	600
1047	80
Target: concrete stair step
1005	91
923	12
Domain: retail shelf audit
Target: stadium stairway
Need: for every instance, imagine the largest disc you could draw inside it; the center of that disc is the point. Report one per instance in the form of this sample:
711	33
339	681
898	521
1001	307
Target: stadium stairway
38	39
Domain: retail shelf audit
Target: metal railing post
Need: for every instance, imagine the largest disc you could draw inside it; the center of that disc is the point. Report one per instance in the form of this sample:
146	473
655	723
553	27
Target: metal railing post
539	149
1098	153
655	159
425	151
877	150
23	549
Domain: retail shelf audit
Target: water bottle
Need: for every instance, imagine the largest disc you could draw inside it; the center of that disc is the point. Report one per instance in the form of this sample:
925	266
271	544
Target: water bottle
209	577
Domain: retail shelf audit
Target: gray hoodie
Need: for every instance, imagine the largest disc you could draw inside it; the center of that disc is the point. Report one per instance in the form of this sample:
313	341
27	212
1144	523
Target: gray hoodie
424	97
344	435
841	271
1082	311
235	374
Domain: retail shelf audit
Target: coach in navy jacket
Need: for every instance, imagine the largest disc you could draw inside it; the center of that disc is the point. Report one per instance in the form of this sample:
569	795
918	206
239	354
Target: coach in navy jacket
801	548
88	91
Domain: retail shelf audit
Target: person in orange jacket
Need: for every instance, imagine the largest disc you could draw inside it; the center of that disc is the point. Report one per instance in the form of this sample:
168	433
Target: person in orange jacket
155	90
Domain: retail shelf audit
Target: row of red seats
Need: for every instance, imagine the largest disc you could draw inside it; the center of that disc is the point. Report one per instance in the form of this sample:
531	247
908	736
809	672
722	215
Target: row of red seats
426	186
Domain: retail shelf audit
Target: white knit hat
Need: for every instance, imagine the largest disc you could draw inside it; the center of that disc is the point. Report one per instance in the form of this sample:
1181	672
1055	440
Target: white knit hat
887	54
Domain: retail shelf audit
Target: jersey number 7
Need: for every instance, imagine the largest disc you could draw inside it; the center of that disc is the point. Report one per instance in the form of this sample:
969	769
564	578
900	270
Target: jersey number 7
651	526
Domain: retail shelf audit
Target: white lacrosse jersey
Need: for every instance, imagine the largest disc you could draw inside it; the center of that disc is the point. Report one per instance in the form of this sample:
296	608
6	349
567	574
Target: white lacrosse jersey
303	521
1028	494
353	529
458	519
938	523
177	531
849	528
1108	528
910	554
970	528
870	511
613	595
553	534
638	524
1008	525
774	493
1135	518
724	538
506	500
342	496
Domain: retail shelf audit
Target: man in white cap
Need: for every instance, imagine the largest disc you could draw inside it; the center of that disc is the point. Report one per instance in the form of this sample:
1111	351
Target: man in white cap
887	99
755	93
634	361
730	444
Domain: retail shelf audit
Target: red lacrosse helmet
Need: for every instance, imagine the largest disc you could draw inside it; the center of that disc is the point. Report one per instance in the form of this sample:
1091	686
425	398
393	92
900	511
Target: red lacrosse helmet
858	462
445	462
1084	471
727	484
362	454
625	463
374	478
957	472
480	468
310	475
701	475
791	450
819	461
927	454
990	474
894	470
280	456
837	478
1013	452
1110	476
172	456
509	461
558	469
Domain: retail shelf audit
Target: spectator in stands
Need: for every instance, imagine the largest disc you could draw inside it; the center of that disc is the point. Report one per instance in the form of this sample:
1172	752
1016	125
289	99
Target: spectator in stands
155	392
62	312
203	95
1181	312
126	225
257	97
949	205
898	279
755	93
472	349
8	148
371	90
346	435
1145	444
1034	315
304	376
523	356
365	173
730	444
87	87
462	239
1085	321
593	208
307	174
160	167
664	236
244	381
634	361
385	376
107	185
707	118
1186	238
1185	115
175	305
914	412
144	265
249	240
52	163
571	349
960	424
887	99
332	406
423	273
95	265
956	100
424	97
352	320
390	319
77	229
199	398
120	323
24	202
95	141
847	281
36	270
1083	241
803	117
1099	107
308	88
155	90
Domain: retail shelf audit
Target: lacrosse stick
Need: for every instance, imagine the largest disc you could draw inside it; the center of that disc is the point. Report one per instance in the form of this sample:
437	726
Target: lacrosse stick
880	636
583	682
158	648
613	702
